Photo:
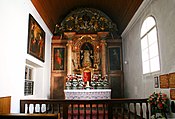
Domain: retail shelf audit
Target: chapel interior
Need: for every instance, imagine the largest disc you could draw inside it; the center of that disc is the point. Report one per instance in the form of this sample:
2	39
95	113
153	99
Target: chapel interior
60	50
91	41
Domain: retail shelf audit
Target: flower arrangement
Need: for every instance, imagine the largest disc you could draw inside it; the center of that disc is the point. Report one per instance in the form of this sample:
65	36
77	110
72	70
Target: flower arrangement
158	102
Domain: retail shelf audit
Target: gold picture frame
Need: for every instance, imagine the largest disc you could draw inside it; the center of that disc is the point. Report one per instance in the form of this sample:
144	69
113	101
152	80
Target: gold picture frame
58	58
36	39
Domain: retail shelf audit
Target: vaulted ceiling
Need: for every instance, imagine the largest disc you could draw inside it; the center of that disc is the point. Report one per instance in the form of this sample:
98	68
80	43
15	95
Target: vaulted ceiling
119	11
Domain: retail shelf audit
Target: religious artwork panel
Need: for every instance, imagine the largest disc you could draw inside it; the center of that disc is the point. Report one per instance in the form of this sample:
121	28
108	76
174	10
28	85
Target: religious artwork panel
114	58
58	56
36	39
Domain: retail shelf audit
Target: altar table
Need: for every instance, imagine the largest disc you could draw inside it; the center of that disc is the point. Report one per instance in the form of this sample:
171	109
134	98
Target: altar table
91	94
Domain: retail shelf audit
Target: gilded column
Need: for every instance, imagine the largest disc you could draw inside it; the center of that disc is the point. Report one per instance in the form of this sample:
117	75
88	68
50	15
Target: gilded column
103	57
69	57
103	36
70	36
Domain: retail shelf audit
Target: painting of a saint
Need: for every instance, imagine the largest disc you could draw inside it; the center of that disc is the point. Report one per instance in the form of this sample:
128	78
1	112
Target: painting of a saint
36	39
114	58
58	59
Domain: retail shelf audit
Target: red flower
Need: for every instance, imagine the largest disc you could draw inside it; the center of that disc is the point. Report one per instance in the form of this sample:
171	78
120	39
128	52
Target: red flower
160	105
158	101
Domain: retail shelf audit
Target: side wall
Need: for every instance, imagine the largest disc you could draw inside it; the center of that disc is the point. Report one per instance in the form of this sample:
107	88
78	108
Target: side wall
13	50
137	85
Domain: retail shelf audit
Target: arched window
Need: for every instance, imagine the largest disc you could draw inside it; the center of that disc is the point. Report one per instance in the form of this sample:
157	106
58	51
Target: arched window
149	45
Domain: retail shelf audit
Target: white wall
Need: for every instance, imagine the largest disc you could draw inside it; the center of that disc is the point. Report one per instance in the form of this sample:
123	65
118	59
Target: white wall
13	52
137	85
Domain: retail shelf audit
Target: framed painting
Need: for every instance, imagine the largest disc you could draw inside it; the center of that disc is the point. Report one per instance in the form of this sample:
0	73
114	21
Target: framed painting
36	39
114	58
58	58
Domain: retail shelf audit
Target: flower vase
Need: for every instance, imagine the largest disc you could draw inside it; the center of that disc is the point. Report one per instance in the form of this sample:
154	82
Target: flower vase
159	114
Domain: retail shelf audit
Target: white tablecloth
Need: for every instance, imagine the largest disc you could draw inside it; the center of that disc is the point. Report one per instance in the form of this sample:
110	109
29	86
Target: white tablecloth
91	94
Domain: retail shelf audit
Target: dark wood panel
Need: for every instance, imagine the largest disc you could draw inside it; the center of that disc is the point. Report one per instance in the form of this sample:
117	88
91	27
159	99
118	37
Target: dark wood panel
58	88
115	68
116	82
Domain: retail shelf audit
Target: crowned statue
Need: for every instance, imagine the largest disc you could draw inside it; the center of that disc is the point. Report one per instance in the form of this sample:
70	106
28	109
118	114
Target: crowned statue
86	60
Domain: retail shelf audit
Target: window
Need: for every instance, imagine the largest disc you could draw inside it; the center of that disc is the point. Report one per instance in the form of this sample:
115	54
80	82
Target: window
149	45
29	83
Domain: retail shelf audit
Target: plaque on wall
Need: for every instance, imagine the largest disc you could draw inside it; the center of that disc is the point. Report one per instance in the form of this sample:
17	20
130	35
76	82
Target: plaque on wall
172	94
164	81
156	82
172	80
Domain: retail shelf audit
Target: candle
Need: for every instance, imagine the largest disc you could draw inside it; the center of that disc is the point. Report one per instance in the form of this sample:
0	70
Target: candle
87	83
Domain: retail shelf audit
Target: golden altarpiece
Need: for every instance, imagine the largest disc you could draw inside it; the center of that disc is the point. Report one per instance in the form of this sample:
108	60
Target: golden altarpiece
84	45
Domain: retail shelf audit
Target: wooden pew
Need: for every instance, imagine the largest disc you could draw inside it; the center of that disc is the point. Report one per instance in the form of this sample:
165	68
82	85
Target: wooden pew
29	116
5	103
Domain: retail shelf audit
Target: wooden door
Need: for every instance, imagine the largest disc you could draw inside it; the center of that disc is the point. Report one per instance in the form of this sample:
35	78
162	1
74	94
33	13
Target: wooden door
114	66
116	81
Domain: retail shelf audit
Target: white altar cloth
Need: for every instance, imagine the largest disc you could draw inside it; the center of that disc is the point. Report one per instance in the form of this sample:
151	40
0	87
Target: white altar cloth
91	94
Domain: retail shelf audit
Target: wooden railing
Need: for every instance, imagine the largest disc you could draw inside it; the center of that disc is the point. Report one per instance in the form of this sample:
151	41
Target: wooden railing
99	109
29	116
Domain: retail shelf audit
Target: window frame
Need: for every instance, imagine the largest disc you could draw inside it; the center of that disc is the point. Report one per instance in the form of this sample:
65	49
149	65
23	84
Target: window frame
29	80
142	36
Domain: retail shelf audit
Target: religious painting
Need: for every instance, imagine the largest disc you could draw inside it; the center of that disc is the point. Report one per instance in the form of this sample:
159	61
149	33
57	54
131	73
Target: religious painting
36	39
58	58
114	58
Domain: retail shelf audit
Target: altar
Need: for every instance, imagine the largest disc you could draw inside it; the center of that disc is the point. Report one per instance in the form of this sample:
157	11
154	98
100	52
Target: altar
86	57
87	94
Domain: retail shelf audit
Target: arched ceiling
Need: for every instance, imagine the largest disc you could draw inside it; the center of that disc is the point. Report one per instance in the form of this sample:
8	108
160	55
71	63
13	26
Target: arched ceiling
119	11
